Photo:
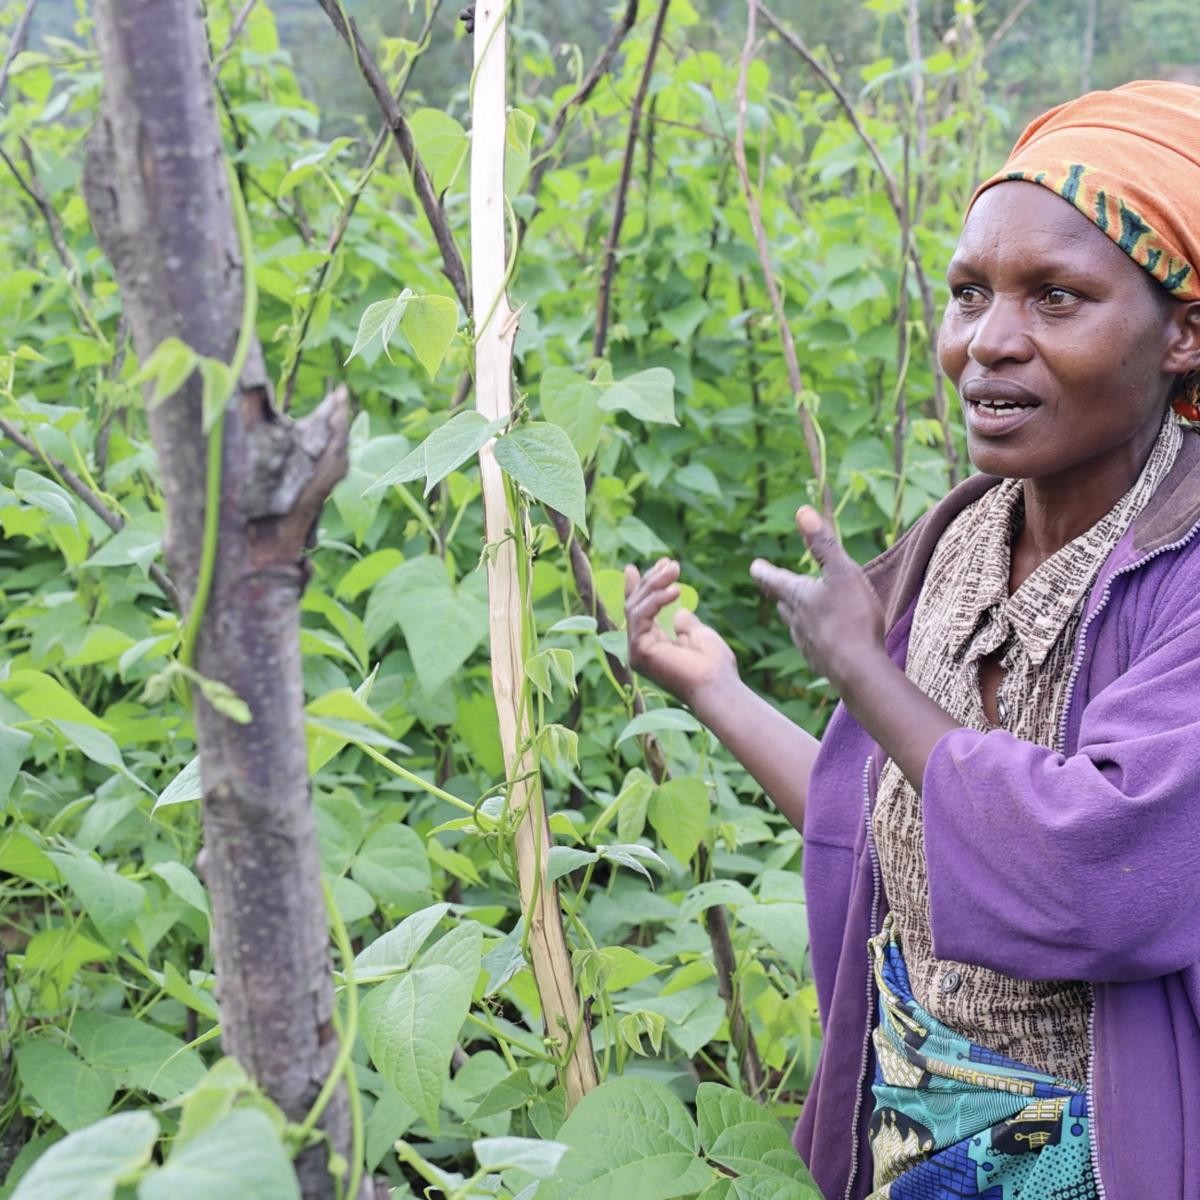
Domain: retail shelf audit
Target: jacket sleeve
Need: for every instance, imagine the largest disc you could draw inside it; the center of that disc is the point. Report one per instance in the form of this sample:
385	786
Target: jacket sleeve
1046	866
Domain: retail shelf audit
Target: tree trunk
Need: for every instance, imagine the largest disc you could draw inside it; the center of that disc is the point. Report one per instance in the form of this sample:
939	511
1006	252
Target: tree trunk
158	193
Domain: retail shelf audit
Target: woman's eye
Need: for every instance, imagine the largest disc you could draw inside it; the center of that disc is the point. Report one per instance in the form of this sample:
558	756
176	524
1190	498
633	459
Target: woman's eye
967	294
1057	297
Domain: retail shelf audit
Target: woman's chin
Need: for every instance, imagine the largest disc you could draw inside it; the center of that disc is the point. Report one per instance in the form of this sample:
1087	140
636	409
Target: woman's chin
989	459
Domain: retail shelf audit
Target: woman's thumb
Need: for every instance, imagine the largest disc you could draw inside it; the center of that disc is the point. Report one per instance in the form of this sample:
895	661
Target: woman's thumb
820	538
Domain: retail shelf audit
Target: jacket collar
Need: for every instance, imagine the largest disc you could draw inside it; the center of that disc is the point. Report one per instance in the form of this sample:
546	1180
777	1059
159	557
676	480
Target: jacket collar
1171	514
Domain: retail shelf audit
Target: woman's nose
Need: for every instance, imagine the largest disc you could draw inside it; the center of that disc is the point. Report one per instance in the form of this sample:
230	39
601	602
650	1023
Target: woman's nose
1001	334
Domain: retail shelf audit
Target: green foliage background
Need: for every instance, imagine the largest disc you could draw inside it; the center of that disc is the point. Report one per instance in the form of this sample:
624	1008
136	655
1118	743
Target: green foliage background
108	973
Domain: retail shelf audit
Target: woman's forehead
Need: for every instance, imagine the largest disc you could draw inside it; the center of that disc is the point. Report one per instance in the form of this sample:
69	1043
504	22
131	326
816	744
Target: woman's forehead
1019	222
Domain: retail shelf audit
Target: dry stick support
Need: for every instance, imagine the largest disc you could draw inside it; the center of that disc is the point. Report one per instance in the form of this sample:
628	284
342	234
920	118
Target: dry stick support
542	159
911	216
495	332
452	262
614	233
716	925
899	207
547	942
1001	31
716	921
812	439
347	211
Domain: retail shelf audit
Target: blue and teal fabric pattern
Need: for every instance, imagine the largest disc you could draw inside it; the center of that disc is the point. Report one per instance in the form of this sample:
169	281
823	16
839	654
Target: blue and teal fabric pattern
954	1120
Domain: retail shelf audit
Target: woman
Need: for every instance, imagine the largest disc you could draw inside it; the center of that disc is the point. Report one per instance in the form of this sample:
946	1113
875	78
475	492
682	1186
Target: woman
1001	823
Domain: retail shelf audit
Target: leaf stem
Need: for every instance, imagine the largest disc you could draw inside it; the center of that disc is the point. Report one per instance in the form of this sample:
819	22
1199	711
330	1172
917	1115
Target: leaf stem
506	1039
413	777
212	488
346	1039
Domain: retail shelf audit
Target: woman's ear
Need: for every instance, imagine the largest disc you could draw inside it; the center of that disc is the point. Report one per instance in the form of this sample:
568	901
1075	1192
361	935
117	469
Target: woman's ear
1183	350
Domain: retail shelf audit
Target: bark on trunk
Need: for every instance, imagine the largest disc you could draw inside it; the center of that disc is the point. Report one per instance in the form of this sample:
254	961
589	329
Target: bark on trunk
158	192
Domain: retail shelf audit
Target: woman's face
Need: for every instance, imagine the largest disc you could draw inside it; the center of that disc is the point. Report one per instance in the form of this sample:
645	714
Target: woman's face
1060	346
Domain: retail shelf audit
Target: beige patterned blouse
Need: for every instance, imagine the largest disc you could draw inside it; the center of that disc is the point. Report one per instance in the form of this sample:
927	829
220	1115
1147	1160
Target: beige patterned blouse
964	614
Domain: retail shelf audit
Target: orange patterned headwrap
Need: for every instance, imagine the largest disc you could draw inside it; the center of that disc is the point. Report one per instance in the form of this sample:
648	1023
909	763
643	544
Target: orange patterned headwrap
1129	161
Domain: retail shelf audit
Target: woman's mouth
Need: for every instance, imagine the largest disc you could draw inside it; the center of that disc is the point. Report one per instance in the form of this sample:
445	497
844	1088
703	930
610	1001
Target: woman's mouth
996	407
996	418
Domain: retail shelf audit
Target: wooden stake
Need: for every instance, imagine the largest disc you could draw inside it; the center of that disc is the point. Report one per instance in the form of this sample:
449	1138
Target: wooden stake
496	329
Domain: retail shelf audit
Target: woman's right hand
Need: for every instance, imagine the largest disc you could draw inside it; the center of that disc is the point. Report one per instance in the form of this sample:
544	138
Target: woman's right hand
686	665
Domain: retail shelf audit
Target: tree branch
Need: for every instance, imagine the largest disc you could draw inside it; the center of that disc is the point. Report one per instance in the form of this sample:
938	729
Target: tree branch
581	95
235	31
452	260
898	201
895	198
347	211
1001	31
600	341
89	497
16	43
166	221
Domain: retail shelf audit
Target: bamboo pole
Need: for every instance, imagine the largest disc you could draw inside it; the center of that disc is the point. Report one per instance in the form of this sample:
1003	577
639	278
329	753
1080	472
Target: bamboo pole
495	332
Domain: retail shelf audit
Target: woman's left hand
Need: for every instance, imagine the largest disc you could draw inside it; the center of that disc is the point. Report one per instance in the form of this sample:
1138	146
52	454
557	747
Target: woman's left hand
835	619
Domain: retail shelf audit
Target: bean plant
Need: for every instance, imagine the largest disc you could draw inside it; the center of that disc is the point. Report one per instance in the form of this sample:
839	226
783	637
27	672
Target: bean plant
654	414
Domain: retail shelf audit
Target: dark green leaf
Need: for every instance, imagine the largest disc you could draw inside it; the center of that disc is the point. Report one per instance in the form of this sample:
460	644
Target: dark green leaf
411	1023
629	1137
70	1091
648	395
542	460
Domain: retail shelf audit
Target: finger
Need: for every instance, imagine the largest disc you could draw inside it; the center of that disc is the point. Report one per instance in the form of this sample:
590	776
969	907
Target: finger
686	623
646	607
662	573
820	538
774	581
650	600
665	571
632	578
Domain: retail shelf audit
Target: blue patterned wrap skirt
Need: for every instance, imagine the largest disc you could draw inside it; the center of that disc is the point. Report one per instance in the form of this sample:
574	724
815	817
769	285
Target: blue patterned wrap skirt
953	1119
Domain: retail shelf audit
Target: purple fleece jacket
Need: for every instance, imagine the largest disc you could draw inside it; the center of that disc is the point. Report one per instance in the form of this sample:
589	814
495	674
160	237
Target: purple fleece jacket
1081	862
